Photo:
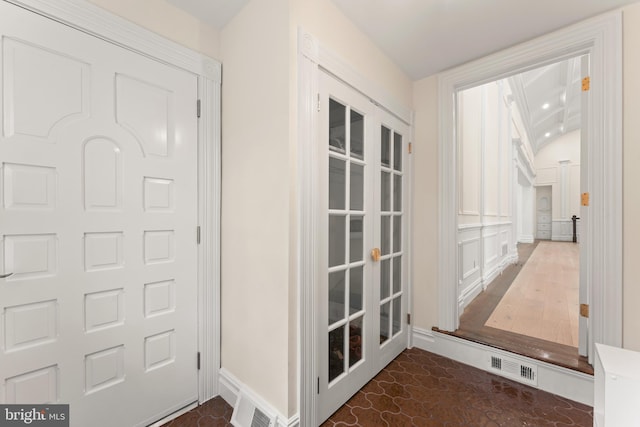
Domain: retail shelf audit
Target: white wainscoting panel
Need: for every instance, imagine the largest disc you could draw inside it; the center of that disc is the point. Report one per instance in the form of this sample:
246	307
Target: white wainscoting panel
470	255
484	253
562	230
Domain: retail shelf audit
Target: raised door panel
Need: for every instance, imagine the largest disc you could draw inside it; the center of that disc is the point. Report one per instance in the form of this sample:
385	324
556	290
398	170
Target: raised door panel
42	88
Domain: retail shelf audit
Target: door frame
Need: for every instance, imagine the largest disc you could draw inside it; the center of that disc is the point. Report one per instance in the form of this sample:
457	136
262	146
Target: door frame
93	20
601	38
312	58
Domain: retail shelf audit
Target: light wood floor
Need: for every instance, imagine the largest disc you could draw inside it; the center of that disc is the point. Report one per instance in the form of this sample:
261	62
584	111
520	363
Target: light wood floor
542	301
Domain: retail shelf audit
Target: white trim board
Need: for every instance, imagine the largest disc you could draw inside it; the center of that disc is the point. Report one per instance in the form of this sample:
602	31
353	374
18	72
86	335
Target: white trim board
230	388
100	23
551	378
601	38
469	294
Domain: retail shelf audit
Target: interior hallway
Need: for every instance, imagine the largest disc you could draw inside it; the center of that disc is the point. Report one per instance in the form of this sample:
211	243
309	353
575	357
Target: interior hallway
423	389
543	300
531	308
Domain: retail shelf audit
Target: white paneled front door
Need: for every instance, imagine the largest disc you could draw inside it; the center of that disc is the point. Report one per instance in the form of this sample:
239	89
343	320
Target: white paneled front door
363	256
98	221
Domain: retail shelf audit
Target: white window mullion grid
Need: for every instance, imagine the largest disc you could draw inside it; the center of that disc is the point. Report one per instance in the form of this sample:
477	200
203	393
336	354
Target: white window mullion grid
387	215
347	214
392	215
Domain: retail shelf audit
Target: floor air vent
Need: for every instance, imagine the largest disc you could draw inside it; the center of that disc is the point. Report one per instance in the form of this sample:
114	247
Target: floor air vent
514	369
246	413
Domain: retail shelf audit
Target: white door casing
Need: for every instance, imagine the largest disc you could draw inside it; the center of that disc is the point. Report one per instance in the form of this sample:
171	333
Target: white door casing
100	206
601	38
585	335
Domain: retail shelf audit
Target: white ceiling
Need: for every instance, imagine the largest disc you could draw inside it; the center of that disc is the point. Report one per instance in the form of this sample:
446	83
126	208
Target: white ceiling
428	36
424	37
216	13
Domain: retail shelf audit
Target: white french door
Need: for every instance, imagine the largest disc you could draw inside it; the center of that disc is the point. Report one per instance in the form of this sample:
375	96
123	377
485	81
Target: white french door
363	256
98	215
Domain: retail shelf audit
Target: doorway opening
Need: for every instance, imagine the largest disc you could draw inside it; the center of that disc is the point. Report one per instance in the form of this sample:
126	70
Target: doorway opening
519	183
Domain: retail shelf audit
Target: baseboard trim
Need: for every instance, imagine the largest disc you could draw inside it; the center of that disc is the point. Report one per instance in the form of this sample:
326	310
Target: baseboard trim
492	274
562	238
469	294
174	415
230	388
551	378
526	239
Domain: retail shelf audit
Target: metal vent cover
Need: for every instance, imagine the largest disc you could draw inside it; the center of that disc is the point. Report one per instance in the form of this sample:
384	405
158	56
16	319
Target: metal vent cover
248	413
514	369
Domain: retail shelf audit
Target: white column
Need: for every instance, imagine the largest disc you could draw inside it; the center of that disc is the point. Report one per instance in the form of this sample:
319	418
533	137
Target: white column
564	185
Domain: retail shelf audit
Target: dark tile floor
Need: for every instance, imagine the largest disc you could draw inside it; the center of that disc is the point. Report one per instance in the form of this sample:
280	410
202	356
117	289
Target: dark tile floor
422	389
214	413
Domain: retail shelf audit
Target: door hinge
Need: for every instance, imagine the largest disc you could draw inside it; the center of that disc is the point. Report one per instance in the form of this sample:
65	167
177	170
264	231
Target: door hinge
410	148
586	84
584	310
198	361
584	199
318	103
318	385
198	234
198	108
408	318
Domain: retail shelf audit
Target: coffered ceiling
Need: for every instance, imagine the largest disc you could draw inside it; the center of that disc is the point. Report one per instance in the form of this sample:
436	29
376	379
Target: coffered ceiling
549	100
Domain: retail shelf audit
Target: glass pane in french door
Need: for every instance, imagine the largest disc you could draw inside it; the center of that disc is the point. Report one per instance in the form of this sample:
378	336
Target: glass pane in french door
391	234
347	222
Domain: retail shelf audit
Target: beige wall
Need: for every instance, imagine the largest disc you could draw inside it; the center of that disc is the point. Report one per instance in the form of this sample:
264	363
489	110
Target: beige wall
168	21
255	199
565	147
425	204
631	178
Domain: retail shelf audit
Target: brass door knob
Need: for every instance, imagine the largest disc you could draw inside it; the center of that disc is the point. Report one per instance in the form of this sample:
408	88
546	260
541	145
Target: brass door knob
375	254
